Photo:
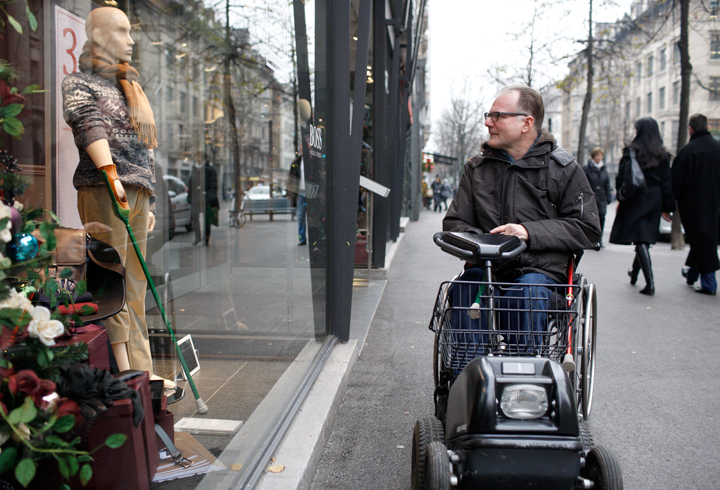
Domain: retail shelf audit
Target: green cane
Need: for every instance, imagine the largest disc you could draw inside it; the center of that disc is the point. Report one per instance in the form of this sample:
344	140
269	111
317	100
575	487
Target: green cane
123	214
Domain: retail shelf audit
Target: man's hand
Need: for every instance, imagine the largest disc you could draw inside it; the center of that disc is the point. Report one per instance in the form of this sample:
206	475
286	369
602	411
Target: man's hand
512	229
667	216
151	222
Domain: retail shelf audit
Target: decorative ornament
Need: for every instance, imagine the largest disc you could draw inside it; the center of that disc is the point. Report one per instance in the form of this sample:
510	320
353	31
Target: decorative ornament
16	220
22	248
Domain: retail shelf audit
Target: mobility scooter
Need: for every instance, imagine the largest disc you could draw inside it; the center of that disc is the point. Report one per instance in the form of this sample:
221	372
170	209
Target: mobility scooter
513	369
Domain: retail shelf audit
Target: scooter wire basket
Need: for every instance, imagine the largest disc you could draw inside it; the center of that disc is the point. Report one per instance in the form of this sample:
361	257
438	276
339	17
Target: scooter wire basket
474	319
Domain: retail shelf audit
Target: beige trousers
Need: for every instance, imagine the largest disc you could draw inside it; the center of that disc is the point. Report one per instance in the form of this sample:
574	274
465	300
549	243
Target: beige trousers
129	325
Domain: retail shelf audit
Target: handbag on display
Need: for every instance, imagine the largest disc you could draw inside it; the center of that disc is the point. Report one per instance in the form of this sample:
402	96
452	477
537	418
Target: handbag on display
94	261
633	181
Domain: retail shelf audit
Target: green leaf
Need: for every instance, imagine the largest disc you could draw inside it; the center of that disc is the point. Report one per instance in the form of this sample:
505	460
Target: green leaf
53	439
64	423
15	416
33	89
85	474
28	228
115	441
31	18
12	110
7	459
65	273
65	486
49	353
16	25
64	469
74	465
42	359
84	458
81	287
25	471
5	362
47	231
29	412
13	127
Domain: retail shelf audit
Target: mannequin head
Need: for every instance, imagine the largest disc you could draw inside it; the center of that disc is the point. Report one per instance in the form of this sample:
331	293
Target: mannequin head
108	31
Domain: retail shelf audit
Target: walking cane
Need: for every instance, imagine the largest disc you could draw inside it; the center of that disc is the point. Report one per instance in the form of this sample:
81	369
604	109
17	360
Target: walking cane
121	208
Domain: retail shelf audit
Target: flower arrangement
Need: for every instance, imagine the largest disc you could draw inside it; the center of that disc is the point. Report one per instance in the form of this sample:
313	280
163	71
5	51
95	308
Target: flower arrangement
35	422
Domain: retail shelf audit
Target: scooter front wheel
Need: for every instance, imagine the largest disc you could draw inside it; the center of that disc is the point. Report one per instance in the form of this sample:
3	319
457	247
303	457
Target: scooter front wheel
427	430
602	469
438	467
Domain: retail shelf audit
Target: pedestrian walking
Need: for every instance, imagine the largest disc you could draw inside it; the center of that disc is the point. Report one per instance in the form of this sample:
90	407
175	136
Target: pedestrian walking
637	218
445	193
696	187
596	173
437	193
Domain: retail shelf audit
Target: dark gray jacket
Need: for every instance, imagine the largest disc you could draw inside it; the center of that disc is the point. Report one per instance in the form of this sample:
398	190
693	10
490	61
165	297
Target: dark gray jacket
546	191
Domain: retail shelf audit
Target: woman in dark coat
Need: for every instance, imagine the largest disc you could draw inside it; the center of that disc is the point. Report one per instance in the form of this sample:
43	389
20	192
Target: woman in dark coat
638	218
596	173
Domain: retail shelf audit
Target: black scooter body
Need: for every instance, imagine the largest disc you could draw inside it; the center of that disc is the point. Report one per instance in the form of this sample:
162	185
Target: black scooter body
499	452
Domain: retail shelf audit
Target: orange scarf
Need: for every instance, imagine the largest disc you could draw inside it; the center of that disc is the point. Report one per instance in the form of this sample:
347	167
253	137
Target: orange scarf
125	76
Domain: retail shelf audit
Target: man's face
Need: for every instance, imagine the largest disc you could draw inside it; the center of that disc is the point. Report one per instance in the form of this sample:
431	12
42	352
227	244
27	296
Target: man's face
507	130
113	37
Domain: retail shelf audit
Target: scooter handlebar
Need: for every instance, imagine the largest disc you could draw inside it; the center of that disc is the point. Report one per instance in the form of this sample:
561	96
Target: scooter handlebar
474	248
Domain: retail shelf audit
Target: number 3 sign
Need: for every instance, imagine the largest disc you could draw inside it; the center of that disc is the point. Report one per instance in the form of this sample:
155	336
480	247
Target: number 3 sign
69	40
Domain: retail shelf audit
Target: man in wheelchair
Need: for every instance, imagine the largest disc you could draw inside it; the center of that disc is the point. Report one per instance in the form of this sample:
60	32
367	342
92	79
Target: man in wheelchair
524	184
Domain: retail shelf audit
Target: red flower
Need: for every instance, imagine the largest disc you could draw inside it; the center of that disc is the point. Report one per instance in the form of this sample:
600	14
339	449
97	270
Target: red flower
41	390
7	98
24	381
67	407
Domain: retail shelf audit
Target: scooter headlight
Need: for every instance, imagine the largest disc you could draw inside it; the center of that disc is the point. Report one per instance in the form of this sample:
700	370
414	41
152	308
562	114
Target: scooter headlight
524	402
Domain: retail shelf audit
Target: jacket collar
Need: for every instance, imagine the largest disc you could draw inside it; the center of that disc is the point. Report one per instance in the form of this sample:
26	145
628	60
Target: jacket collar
699	134
544	143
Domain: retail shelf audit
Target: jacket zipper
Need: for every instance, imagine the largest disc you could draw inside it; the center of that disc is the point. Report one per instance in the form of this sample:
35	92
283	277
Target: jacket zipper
582	202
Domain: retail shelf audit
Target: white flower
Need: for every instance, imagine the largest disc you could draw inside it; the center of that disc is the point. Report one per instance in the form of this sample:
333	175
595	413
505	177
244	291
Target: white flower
18	301
18	205
3	438
42	327
5	234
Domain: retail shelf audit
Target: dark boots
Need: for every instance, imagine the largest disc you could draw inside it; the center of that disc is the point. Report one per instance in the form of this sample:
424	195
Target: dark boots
634	271
642	255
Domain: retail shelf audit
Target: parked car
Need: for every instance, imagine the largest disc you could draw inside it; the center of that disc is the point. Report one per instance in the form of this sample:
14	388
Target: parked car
178	192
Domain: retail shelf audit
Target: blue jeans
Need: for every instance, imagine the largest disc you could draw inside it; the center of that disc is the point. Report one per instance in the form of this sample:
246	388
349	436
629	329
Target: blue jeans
707	281
300	209
520	309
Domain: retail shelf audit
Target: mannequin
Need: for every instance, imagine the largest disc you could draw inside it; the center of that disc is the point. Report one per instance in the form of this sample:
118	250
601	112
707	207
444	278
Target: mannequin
114	131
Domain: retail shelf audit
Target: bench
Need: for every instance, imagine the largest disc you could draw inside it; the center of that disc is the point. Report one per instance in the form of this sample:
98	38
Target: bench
275	205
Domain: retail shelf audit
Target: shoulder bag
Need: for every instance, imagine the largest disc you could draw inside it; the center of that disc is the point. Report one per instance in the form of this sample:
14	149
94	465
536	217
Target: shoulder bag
633	182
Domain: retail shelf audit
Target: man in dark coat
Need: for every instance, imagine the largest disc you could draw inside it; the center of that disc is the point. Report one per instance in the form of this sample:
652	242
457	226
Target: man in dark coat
696	187
523	184
596	173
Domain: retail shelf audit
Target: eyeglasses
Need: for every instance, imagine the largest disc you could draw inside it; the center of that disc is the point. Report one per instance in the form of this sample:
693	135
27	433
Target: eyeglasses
496	115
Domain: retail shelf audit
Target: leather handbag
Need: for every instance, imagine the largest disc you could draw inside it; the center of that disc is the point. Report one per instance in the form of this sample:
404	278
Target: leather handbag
633	182
96	262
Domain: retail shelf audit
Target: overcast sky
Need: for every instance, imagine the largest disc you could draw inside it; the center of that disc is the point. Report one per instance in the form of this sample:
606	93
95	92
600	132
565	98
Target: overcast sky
470	37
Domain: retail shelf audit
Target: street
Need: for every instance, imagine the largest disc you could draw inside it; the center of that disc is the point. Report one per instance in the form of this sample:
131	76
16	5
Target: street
656	388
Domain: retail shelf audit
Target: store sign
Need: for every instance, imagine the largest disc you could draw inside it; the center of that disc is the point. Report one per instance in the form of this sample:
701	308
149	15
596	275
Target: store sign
277	39
69	40
316	142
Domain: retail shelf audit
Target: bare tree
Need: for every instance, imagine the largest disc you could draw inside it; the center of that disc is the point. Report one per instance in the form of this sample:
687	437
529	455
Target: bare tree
460	130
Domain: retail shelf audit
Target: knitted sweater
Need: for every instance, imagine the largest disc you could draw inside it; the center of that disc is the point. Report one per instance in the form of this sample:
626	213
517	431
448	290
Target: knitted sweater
95	109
